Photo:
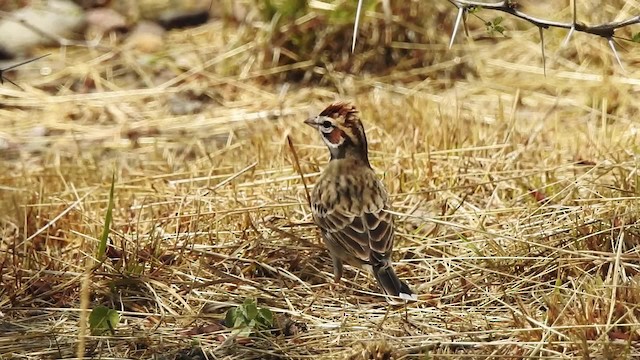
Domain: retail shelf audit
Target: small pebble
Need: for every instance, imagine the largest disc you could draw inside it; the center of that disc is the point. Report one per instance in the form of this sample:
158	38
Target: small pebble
103	20
147	37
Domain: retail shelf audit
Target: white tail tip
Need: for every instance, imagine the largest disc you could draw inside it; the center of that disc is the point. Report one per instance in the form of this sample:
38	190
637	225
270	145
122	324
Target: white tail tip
408	297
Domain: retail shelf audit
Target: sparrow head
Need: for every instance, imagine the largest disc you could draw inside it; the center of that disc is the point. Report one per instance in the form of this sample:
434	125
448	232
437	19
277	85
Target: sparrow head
342	131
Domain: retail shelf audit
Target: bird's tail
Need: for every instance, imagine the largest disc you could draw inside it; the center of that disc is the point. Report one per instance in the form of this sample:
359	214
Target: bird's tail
397	292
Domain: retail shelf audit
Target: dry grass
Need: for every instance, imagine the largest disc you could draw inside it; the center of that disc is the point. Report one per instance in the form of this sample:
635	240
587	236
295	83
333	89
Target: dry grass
517	200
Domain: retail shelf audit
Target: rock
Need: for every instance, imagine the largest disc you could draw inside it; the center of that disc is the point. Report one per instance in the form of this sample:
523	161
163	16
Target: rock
184	104
52	19
153	10
147	37
103	20
173	19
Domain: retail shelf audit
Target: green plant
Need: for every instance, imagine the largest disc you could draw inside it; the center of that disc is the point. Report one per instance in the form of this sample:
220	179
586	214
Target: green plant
248	317
286	10
494	26
103	319
102	246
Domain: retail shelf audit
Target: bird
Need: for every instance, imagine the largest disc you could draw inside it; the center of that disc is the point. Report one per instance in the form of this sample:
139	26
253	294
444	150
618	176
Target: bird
349	204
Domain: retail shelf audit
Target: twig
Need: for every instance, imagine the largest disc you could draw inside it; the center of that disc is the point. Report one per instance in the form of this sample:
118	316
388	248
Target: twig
510	7
2	71
295	158
232	177
606	30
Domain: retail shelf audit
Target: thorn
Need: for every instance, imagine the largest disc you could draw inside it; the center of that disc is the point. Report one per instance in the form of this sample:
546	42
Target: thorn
2	71
461	11
566	40
464	24
612	44
574	14
24	62
544	59
355	26
2	79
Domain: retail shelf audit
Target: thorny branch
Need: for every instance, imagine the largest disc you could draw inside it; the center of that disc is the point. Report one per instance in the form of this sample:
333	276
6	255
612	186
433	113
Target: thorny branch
606	30
511	7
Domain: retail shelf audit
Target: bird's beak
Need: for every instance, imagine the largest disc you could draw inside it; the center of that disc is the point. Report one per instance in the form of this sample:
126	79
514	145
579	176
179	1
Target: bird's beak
311	122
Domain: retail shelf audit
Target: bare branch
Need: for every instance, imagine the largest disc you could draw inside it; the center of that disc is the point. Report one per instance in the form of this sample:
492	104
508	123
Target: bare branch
604	30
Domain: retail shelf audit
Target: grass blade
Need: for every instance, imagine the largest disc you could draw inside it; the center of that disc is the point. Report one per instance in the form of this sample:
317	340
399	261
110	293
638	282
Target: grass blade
102	247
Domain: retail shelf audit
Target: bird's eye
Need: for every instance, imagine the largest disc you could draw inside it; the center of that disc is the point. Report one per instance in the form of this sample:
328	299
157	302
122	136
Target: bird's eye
326	126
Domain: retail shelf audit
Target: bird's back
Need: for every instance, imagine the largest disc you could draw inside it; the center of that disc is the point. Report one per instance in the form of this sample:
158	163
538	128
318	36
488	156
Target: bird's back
348	205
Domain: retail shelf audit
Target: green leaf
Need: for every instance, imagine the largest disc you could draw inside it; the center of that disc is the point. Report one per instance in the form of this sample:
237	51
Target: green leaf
102	246
345	13
265	317
135	269
291	8
497	20
240	321
249	317
636	37
230	318
471	245
250	311
103	319
243	332
248	301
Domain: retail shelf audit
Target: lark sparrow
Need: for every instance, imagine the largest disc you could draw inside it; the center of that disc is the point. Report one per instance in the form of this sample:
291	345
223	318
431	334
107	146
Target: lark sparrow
349	203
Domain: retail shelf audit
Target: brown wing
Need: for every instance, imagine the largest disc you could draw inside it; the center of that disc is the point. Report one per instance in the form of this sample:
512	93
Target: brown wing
353	220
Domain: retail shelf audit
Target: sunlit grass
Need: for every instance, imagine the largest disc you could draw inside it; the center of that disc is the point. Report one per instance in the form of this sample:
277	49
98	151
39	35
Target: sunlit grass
516	198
